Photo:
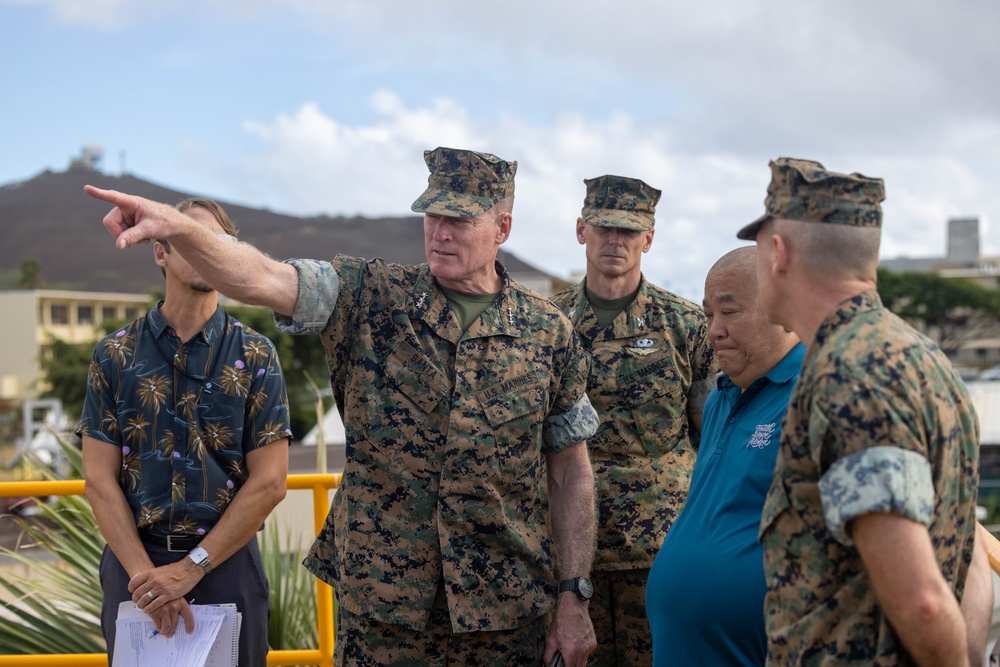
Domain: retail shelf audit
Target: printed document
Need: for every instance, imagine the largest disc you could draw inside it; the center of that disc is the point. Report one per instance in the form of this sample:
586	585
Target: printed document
137	646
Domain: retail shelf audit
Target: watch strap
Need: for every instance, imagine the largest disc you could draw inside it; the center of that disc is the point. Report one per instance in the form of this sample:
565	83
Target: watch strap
199	557
569	585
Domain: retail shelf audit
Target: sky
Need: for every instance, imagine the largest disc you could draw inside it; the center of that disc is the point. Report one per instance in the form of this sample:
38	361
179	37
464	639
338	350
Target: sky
326	106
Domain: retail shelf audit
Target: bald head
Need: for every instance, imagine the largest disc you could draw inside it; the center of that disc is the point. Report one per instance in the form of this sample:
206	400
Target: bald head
742	261
746	343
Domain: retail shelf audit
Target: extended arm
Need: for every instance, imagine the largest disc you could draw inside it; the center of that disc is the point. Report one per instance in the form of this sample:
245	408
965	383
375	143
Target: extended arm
922	608
267	469
238	270
571	507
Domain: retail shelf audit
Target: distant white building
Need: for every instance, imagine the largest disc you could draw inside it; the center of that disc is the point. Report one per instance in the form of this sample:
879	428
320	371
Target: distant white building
961	261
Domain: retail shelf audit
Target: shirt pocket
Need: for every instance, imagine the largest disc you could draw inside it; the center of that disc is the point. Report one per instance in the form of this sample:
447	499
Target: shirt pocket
514	410
657	410
221	421
396	407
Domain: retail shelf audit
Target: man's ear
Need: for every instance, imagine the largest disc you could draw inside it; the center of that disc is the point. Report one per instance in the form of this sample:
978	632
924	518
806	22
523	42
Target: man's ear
159	254
505	222
580	227
781	255
649	240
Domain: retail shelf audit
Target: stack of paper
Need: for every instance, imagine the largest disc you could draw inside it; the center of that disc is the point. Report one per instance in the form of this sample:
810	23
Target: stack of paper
214	642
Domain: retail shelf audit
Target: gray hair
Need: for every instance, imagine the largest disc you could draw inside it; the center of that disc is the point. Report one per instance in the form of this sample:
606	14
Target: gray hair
831	249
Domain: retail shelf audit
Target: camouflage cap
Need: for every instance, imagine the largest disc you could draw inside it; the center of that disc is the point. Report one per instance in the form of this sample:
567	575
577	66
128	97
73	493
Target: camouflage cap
616	201
463	184
804	190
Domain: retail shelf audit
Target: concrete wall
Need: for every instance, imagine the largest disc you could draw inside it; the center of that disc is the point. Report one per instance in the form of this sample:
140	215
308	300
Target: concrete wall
19	349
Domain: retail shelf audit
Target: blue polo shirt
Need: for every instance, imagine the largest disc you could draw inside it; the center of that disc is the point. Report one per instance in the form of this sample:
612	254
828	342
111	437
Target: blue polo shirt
705	594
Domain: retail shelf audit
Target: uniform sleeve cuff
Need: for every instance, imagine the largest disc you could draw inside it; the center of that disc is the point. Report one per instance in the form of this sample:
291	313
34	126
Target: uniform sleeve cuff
319	286
879	479
568	428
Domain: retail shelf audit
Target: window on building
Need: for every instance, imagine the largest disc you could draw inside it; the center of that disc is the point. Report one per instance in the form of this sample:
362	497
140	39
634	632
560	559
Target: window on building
59	313
108	313
131	313
84	314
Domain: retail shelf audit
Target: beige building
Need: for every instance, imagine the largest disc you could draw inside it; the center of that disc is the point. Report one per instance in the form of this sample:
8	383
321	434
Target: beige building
32	318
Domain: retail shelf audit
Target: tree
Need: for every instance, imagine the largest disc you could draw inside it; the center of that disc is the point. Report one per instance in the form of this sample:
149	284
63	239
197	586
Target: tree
65	368
951	310
31	274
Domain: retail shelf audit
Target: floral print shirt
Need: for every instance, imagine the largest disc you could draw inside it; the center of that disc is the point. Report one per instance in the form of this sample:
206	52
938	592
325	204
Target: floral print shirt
185	415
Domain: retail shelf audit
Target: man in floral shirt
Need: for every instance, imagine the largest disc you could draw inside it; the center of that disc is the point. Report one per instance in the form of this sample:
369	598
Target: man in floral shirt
185	431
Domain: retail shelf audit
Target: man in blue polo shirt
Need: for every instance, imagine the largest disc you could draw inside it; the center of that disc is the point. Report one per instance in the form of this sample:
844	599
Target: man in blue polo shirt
705	593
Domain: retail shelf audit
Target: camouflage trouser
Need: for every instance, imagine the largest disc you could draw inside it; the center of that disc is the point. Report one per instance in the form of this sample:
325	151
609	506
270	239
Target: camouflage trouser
618	611
361	641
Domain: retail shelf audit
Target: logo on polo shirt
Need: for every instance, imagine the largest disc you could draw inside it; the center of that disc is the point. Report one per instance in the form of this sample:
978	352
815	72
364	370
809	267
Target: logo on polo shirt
761	437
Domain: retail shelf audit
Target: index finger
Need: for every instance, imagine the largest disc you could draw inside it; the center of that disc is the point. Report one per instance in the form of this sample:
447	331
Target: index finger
122	218
188	617
111	196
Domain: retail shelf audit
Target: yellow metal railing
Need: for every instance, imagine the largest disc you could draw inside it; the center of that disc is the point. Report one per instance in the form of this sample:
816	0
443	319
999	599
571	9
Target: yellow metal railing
322	656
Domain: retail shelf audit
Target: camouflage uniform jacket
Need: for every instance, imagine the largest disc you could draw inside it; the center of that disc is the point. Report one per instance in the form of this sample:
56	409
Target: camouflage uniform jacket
446	438
878	422
647	364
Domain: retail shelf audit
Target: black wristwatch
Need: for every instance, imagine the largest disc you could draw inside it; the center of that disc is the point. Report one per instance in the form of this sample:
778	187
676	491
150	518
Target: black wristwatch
580	585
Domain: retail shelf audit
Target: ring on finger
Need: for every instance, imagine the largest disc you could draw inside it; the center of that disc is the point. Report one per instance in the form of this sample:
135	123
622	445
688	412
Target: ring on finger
150	594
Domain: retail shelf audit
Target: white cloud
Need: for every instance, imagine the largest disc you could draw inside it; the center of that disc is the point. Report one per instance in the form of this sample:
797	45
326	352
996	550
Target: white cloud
106	15
694	98
310	162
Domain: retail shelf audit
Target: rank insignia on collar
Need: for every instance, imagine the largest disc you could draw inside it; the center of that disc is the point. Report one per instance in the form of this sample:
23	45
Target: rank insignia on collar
422	301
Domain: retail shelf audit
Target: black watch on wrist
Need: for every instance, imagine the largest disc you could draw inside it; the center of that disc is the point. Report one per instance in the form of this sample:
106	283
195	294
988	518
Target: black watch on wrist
579	585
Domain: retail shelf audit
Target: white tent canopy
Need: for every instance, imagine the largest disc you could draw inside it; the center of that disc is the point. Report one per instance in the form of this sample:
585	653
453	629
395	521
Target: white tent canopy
986	399
333	430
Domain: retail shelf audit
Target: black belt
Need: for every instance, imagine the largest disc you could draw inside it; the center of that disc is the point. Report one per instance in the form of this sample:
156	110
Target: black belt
171	542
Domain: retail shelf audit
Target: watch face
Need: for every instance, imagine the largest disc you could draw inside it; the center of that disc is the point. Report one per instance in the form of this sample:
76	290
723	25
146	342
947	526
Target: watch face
198	554
586	589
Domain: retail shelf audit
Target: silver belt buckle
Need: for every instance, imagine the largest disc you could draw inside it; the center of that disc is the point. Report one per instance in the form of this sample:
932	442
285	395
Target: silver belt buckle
170	546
